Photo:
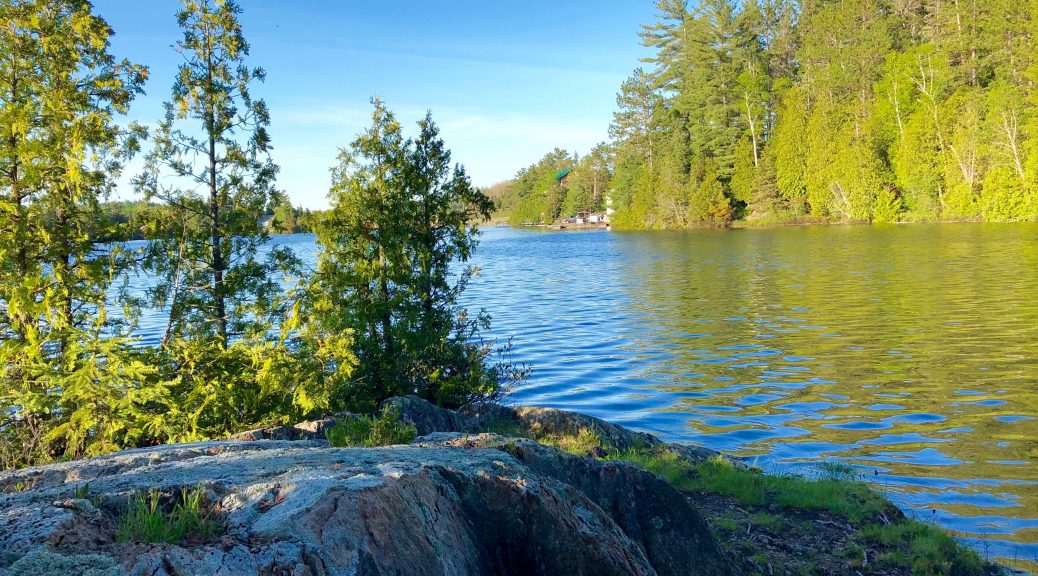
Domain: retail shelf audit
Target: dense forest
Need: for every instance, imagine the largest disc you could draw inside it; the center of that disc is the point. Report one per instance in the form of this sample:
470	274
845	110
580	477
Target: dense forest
772	111
252	336
135	219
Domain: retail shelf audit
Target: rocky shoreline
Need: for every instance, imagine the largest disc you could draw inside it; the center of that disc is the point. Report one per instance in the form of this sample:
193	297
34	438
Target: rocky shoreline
472	494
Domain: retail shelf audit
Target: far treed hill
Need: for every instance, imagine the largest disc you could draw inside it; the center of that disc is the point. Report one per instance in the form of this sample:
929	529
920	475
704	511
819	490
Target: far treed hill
140	219
779	111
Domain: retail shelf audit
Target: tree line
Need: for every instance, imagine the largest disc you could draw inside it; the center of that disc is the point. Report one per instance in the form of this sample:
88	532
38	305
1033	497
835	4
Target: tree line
127	219
818	111
252	337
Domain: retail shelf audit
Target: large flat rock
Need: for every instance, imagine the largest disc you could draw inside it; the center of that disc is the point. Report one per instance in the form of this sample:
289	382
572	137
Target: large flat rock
451	505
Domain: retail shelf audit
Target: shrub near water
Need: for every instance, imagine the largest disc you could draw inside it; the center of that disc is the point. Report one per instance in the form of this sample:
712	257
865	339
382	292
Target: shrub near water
926	549
903	543
383	430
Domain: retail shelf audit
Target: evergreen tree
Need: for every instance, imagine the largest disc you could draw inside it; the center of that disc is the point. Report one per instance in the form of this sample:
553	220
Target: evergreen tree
587	183
872	110
400	218
66	372
538	190
220	365
446	361
213	140
635	121
283	216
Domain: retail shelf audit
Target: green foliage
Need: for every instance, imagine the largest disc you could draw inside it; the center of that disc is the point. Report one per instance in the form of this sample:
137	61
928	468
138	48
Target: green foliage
707	202
73	383
535	193
888	207
214	133
923	549
40	562
203	390
385	429
401	217
857	111
581	444
147	520
61	149
588	182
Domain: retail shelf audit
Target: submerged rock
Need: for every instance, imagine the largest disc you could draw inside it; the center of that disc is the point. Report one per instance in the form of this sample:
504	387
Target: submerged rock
450	503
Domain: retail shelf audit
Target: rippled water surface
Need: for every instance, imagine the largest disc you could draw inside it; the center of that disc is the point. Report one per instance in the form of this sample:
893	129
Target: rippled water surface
909	351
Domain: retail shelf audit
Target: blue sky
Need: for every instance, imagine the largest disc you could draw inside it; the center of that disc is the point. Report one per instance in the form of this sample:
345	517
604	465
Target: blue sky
506	81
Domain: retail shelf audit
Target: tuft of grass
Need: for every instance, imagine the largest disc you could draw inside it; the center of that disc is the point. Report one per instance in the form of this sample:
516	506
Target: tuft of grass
81	492
146	520
580	444
664	463
924	549
385	429
729	525
836	470
765	521
852	500
853	554
507	429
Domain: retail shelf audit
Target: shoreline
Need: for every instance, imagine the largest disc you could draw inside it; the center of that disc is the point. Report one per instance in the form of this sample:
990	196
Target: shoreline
655	505
745	225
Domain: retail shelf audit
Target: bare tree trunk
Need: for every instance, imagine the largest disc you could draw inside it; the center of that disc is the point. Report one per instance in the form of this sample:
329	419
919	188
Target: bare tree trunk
219	266
219	305
1011	126
387	320
895	101
168	332
753	131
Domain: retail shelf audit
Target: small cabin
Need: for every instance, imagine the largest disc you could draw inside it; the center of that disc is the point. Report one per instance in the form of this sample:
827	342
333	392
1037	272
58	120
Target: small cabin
563	175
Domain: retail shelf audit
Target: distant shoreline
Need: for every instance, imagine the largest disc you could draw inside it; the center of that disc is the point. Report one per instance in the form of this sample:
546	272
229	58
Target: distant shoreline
738	225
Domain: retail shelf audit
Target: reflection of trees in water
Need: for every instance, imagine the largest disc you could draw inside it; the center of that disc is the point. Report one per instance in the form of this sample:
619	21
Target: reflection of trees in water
817	337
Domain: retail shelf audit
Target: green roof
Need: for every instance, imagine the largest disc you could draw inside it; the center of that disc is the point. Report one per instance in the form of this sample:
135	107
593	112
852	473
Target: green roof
562	173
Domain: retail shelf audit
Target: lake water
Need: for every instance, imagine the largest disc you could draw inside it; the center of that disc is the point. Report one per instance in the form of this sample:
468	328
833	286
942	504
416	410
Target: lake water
909	351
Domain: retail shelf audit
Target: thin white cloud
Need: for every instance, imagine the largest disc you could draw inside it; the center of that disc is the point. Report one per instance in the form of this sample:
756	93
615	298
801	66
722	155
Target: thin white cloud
493	147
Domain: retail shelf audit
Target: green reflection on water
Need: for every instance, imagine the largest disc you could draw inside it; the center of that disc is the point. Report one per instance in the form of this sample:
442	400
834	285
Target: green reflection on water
911	350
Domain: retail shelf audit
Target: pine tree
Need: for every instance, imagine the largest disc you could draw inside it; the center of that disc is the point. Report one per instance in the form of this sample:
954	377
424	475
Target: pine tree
587	183
710	99
872	109
634	123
